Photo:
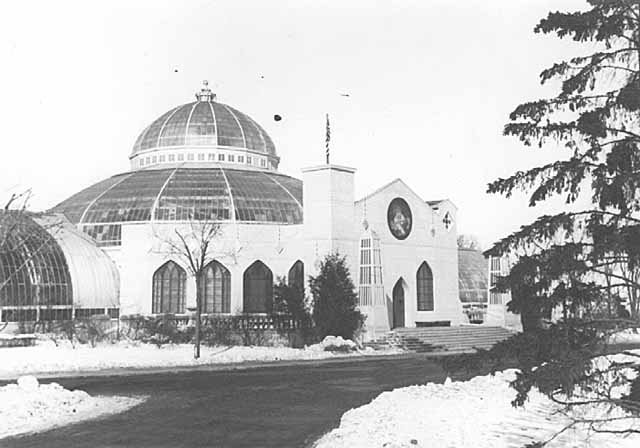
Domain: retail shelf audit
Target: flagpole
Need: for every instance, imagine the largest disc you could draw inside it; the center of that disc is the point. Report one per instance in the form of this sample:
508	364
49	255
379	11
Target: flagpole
327	139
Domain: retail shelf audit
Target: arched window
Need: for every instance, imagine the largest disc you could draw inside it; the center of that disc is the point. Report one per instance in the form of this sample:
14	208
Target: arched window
258	289
296	275
424	287
168	289
217	289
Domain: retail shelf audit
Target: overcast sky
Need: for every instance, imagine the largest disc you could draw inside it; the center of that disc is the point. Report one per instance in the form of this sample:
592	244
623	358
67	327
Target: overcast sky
430	85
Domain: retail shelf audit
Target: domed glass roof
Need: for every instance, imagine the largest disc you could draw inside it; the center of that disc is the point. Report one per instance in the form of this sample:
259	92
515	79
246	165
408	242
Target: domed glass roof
177	194
204	123
33	268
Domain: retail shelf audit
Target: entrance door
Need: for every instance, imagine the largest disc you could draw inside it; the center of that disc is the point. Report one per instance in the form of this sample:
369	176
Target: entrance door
398	305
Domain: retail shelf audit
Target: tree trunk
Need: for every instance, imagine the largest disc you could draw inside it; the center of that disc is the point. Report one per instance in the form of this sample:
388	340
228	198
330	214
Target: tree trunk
633	305
196	353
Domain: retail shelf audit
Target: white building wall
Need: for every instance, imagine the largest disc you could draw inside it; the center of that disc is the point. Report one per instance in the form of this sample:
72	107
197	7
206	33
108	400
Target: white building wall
428	241
142	252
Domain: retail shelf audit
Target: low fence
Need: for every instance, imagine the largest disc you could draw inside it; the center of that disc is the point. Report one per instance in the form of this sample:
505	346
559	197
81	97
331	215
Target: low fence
279	322
243	329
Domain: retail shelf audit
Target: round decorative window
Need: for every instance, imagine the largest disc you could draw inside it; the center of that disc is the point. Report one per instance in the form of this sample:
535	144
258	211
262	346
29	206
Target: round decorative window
399	218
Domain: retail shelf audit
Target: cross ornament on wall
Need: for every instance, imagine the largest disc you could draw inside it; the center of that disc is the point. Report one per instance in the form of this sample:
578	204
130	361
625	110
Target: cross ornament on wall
448	222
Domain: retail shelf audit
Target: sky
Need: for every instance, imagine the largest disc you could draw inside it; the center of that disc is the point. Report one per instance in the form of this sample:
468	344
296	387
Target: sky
417	90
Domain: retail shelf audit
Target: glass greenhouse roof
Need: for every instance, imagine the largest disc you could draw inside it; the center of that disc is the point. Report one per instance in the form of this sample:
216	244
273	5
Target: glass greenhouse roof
204	123
33	268
177	194
473	273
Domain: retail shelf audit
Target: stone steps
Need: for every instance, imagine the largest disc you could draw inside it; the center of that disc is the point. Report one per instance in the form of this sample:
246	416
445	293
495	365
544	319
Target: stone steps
443	339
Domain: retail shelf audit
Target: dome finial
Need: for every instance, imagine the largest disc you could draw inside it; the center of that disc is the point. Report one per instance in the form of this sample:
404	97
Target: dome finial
205	93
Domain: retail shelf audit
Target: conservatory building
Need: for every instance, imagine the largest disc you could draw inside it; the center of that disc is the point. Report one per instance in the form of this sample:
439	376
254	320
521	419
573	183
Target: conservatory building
207	162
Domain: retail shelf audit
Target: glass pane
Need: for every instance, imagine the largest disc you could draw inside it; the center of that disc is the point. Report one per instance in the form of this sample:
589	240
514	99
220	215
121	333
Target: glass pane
150	139
175	129
74	207
202	129
130	200
229	132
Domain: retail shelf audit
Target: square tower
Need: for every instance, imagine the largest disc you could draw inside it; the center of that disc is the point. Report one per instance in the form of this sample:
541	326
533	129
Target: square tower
328	203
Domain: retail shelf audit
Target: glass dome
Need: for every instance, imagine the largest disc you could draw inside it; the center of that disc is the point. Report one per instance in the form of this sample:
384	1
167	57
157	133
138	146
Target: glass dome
200	161
178	194
206	127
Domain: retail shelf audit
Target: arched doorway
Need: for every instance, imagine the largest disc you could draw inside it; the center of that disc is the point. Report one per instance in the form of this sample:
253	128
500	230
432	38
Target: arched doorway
258	289
398	304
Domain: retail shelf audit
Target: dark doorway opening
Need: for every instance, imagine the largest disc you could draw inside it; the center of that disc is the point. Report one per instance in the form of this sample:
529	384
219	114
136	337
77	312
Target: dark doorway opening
398	304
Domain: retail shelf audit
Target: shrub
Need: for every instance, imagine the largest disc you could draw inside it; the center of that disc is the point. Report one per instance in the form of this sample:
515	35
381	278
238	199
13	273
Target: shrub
158	330
91	330
214	332
253	337
290	299
335	299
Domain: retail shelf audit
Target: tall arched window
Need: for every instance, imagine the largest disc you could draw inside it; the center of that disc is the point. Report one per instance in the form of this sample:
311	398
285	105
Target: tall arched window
217	289
296	275
424	287
258	289
169	289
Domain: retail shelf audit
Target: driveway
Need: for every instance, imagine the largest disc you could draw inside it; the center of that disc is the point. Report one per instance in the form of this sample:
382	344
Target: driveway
278	406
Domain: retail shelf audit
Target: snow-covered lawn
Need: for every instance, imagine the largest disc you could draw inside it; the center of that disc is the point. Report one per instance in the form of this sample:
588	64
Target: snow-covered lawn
628	336
30	407
46	357
475	414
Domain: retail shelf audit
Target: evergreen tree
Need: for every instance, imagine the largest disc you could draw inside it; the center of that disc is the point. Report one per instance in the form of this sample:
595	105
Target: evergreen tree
335	299
290	299
579	265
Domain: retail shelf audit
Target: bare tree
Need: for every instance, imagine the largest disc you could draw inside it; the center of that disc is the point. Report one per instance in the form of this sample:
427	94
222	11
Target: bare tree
467	241
194	244
16	205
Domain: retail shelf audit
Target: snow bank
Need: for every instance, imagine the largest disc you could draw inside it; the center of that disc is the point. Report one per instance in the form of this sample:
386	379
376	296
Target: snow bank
335	344
628	336
48	358
8	336
475	413
30	407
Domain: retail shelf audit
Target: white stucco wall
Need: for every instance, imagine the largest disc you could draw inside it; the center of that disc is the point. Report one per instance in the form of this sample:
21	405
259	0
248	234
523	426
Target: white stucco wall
143	252
402	258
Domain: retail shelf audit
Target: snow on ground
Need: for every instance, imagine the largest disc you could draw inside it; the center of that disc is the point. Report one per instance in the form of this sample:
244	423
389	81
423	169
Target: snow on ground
628	336
475	413
46	357
31	407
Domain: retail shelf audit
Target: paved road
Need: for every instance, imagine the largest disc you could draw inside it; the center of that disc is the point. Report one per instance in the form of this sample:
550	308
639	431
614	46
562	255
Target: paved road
286	406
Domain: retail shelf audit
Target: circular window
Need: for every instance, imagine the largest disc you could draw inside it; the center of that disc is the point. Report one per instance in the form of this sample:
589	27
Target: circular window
399	218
